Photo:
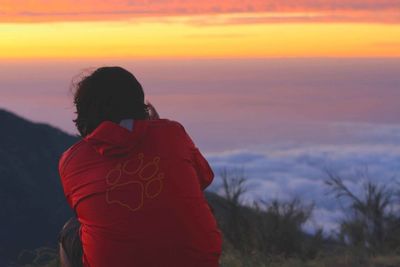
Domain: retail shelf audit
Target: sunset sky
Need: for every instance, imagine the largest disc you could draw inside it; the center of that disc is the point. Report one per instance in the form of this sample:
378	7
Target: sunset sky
199	29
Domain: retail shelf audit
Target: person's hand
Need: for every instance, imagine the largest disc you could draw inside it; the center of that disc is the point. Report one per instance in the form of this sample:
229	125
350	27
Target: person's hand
153	114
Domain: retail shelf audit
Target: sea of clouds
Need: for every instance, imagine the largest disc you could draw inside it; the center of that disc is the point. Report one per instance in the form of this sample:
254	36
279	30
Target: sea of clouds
285	171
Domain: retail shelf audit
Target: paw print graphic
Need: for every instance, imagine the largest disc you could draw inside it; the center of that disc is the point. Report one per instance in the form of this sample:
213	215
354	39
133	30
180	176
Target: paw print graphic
143	180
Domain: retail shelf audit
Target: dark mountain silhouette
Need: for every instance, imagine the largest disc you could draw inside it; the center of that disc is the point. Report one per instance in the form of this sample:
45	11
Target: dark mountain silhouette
32	205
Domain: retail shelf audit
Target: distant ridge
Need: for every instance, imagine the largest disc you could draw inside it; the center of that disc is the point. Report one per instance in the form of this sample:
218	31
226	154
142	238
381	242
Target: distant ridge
32	205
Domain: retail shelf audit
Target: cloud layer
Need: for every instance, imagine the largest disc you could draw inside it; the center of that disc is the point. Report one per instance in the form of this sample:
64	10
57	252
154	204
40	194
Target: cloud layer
299	11
292	171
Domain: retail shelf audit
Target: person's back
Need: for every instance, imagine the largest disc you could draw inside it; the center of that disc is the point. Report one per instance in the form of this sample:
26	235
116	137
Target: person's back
137	193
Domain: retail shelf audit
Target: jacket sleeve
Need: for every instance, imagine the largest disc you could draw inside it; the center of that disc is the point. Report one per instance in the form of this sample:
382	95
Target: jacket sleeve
63	171
61	168
200	164
203	169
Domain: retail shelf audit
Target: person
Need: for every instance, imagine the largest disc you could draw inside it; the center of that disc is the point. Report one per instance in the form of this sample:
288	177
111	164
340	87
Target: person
135	183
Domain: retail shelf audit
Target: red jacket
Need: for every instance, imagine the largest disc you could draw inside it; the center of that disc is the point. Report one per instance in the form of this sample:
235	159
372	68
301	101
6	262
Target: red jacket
138	196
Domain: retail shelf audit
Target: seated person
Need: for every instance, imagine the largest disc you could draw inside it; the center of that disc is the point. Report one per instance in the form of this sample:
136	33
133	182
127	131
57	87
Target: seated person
135	182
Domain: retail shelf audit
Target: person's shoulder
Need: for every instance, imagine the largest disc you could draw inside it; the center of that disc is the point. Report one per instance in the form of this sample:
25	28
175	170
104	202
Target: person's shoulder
68	154
168	128
75	147
166	123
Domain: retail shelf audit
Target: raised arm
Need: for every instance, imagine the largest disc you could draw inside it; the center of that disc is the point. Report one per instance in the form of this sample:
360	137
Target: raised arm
200	164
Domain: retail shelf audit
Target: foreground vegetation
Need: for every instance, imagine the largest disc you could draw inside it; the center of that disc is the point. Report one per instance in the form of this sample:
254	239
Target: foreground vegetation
270	233
45	257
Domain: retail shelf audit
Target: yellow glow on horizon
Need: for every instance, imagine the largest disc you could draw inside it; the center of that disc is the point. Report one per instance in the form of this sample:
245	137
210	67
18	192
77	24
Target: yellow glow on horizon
177	39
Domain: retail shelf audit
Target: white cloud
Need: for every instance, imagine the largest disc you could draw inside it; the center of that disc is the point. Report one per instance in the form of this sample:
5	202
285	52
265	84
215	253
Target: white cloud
298	171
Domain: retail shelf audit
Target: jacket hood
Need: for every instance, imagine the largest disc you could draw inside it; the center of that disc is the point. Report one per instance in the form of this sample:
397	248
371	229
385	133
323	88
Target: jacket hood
112	140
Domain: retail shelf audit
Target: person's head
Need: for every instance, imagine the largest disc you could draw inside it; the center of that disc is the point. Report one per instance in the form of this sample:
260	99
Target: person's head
107	94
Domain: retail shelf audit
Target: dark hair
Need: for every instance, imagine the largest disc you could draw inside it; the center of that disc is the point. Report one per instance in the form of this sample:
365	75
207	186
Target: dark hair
107	94
70	242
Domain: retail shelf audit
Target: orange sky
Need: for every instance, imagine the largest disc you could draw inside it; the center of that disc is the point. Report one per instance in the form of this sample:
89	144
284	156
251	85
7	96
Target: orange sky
199	29
62	10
